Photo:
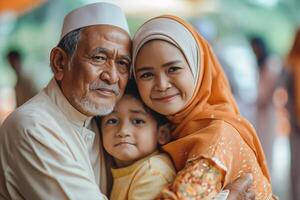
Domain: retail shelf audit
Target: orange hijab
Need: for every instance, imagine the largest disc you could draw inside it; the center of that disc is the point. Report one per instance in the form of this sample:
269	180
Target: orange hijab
212	101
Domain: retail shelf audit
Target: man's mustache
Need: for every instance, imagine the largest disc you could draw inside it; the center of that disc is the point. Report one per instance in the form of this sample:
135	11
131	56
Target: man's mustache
104	86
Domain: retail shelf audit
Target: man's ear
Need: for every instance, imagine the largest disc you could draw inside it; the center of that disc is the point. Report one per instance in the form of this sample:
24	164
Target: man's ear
59	61
164	134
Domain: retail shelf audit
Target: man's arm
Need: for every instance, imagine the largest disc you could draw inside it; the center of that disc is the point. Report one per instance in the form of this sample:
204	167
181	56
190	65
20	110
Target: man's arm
41	166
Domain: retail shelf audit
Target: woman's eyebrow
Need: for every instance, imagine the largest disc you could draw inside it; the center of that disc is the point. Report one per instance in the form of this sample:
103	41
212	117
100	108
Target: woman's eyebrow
173	62
145	68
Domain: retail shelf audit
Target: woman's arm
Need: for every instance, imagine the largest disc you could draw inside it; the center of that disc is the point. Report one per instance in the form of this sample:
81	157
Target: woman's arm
200	179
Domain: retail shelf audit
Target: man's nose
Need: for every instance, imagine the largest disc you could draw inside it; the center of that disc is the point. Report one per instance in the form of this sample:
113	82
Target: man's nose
110	73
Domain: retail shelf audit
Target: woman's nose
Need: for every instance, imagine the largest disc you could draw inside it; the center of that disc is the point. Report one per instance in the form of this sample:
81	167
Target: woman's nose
162	83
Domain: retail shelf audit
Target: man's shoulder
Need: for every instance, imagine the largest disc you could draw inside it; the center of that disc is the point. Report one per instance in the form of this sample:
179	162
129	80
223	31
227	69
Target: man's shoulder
31	115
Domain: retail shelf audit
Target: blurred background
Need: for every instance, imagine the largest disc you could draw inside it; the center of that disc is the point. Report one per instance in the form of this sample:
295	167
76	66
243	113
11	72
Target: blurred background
252	39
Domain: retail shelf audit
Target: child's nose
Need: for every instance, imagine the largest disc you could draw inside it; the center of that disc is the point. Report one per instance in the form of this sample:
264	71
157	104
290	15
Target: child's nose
124	131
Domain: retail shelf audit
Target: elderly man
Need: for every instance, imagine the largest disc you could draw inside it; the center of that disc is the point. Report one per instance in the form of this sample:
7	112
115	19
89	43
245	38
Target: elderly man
50	147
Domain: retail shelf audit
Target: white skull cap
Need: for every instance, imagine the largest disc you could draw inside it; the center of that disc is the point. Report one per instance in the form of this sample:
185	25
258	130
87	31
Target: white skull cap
94	14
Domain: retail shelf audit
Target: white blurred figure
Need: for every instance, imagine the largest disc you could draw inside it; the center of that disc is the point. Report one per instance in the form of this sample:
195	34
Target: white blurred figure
292	84
268	68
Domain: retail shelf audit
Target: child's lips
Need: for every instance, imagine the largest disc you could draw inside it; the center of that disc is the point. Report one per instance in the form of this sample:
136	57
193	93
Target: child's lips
124	143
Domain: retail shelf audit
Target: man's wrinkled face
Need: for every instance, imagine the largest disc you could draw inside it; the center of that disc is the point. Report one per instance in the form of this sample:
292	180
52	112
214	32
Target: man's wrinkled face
97	72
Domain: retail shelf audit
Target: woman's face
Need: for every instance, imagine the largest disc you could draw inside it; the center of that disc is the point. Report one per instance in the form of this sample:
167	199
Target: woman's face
163	76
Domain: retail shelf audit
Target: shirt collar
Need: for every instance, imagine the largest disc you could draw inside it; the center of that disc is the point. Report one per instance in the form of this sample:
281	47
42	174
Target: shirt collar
54	92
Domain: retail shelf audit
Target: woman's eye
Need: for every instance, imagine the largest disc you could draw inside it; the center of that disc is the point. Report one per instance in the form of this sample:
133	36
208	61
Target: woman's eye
138	121
173	69
146	75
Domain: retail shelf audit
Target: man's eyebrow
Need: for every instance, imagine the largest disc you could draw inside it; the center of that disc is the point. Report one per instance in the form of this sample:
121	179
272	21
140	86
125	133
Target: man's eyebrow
173	62
126	57
104	50
100	50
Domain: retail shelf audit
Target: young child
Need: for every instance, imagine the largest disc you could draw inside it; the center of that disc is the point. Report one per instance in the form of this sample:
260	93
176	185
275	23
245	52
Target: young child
131	134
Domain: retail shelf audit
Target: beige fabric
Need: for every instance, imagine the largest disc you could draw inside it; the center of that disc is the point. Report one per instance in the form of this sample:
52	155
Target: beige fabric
94	14
172	32
48	150
144	179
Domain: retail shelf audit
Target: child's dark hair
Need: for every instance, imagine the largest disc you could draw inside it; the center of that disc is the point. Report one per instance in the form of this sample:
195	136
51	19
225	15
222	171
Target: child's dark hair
132	90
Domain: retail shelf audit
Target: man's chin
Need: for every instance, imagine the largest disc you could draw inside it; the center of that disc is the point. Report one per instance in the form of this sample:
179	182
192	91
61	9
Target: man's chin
101	110
104	111
92	109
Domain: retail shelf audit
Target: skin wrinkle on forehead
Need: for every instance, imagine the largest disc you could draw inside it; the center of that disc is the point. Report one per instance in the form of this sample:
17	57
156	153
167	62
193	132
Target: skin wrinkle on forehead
115	38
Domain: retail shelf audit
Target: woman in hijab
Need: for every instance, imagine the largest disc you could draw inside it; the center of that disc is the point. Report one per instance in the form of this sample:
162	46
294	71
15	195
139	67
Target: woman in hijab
179	77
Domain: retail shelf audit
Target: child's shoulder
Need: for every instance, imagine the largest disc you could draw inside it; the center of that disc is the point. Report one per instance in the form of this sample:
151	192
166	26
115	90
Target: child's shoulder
161	160
160	163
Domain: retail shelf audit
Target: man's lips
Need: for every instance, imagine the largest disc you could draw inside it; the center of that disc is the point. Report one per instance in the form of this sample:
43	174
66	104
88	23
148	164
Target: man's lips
105	92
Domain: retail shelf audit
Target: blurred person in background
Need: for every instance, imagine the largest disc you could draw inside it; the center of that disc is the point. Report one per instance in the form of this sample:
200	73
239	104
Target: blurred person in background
265	110
234	54
291	79
24	88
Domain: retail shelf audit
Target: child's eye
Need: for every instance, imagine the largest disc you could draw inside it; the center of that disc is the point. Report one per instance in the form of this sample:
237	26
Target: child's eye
146	75
112	121
173	69
138	121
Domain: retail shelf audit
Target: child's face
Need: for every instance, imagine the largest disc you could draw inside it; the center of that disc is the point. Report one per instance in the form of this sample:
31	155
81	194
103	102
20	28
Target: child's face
163	77
129	132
